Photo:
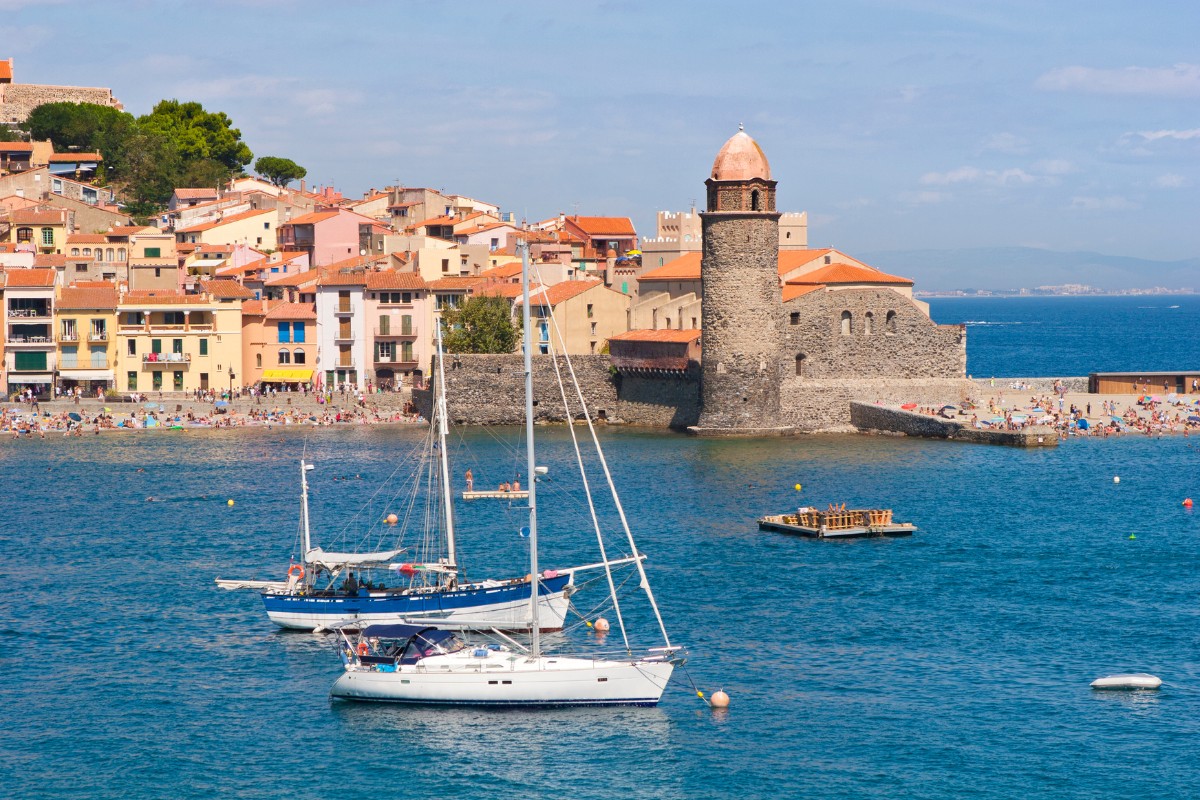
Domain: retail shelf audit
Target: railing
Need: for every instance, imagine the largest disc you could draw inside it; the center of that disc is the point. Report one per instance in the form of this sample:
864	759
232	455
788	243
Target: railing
403	330
166	358
68	336
398	362
28	313
344	308
29	340
98	336
75	363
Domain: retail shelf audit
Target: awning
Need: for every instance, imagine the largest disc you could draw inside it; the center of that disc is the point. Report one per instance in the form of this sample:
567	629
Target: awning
288	375
86	374
19	379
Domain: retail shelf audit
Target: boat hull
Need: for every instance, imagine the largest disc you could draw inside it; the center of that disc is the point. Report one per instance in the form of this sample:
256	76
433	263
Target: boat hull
504	606
545	682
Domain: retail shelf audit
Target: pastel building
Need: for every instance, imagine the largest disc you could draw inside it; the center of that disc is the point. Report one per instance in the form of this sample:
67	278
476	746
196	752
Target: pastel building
86	322
399	308
174	342
328	236
29	348
279	342
343	344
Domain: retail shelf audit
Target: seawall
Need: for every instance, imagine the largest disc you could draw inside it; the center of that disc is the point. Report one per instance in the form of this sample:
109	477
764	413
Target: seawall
870	417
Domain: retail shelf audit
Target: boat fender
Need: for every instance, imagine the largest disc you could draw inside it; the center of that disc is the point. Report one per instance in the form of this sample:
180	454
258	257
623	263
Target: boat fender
296	570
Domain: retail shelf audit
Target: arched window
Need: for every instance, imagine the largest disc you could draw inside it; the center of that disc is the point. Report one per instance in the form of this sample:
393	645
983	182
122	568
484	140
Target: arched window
285	356
889	324
87	251
74	251
120	254
298	357
847	323
869	323
109	254
754	201
800	365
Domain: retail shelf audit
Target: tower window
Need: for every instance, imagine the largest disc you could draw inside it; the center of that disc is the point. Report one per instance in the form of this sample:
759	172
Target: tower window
800	365
847	323
795	318
889	324
754	201
869	324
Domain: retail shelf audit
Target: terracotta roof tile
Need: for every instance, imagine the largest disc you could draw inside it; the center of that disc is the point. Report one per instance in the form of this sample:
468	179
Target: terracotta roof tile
29	278
14	147
561	292
791	290
296	279
71	158
50	260
207	226
604	226
310	219
163	298
88	297
436	222
391	279
87	238
226	290
793	259
34	217
667	335
195	194
684	268
456	283
502	271
130	230
293	311
848	273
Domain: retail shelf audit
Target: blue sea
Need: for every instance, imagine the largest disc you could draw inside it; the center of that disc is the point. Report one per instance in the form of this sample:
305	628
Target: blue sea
1065	336
954	663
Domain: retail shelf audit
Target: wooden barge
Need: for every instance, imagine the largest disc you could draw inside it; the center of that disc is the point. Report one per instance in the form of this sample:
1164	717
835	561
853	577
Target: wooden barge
837	523
496	494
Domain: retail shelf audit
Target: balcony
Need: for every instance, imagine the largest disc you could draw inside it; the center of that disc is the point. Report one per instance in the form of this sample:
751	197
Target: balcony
343	310
68	336
166	359
404	331
30	313
84	363
25	340
396	364
98	336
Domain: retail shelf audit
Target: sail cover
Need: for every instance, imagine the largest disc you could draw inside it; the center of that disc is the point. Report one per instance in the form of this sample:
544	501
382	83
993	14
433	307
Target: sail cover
336	560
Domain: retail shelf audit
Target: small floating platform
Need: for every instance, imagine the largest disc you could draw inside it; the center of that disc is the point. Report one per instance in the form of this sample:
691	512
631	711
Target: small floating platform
837	523
1132	681
496	494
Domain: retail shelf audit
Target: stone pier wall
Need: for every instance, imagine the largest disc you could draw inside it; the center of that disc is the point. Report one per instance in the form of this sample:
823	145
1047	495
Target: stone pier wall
869	417
1038	386
815	405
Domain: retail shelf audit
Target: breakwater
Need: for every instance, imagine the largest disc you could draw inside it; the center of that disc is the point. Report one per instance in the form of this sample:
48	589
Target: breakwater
877	418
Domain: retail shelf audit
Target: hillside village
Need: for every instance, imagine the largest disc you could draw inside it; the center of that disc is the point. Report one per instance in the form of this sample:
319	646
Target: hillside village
255	284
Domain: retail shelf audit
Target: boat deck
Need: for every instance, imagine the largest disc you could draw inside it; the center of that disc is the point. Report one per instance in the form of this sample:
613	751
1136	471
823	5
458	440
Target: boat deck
837	524
496	495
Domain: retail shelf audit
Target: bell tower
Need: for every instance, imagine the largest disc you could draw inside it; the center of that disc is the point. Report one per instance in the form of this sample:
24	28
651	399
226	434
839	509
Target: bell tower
742	304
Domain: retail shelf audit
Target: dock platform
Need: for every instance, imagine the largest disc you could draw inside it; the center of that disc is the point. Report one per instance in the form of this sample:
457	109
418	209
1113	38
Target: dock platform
496	494
837	524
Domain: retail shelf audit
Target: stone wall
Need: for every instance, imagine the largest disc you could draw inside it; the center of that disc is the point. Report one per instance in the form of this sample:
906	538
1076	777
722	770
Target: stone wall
821	405
18	99
490	390
889	337
870	417
988	387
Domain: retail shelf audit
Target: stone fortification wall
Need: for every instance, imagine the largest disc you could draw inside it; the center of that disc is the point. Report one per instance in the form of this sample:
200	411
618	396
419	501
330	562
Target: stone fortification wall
988	387
889	337
894	420
816	405
490	390
18	99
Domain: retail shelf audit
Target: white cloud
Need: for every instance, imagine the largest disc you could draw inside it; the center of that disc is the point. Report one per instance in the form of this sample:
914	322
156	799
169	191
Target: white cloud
1170	181
1181	80
1007	177
1110	203
1154	136
925	197
1005	142
960	175
1054	166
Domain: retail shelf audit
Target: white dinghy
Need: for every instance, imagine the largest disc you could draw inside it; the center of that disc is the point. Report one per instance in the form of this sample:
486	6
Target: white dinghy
1133	680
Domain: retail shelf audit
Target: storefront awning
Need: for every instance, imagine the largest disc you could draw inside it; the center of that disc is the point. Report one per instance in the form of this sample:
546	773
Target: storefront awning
86	374
20	379
288	375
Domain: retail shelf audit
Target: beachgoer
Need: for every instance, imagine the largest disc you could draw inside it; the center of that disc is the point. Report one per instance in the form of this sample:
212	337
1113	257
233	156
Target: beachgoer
470	481
516	486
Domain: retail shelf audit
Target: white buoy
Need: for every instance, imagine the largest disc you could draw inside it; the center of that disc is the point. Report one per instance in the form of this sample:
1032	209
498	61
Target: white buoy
1116	478
1135	680
719	699
601	625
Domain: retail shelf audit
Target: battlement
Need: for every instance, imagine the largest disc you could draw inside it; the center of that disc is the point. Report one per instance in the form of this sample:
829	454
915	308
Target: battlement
18	99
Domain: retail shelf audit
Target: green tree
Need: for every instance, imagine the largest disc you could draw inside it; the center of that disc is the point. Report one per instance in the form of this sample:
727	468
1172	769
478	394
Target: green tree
83	126
199	134
8	133
481	324
279	171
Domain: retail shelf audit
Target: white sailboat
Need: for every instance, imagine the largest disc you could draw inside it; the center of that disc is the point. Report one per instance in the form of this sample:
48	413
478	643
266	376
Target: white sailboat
433	665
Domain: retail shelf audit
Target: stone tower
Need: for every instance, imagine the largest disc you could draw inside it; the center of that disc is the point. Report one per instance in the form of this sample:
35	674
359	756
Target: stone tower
742	306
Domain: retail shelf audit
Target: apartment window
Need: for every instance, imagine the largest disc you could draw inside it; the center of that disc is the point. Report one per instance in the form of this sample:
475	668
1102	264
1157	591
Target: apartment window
589	310
173	318
81	268
47	235
298	332
285	333
177	346
156	381
204	347
120	254
266	227
157	272
24	234
445	265
109	254
74	251
153	252
285	356
132	348
131	379
156	345
406	297
258	360
87	251
298	356
203	380
177	382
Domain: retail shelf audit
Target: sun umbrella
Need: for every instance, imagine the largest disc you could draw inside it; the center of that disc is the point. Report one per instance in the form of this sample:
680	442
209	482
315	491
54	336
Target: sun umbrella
1155	399
1082	424
75	417
220	404
107	410
1193	418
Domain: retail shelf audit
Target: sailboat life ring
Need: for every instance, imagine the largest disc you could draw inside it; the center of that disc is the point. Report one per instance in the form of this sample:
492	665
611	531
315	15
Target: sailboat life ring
296	570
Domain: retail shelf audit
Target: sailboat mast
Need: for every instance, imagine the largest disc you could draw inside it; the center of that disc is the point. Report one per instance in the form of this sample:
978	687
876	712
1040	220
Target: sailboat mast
443	426
304	468
535	644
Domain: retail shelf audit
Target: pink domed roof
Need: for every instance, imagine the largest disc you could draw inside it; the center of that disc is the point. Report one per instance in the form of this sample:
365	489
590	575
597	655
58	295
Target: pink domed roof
741	159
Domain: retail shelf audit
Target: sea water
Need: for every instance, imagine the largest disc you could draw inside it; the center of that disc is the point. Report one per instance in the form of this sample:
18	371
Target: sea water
954	663
1064	336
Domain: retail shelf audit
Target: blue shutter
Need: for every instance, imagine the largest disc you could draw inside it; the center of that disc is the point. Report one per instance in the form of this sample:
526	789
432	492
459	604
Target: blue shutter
283	333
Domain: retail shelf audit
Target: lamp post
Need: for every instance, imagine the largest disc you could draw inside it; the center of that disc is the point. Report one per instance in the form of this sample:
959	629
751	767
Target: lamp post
231	377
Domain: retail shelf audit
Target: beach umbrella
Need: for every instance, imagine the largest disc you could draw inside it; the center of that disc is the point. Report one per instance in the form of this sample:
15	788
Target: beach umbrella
1155	399
1082	424
75	417
1193	418
151	406
220	404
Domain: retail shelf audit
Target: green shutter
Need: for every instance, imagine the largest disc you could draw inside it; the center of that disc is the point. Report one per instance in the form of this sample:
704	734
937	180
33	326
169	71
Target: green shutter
29	362
153	252
204	347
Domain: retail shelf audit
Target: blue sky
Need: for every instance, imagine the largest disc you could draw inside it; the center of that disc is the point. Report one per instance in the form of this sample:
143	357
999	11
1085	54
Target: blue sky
901	125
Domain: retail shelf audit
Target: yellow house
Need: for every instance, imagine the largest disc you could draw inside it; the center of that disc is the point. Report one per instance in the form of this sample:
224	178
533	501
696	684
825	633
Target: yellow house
255	228
153	265
179	343
587	313
46	231
86	324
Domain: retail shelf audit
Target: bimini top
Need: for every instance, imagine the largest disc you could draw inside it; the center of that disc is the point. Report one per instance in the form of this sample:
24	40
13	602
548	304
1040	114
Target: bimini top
395	630
740	160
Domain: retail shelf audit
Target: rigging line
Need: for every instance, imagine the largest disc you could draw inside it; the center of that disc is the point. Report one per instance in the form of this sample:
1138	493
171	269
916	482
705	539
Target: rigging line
611	486
695	688
587	488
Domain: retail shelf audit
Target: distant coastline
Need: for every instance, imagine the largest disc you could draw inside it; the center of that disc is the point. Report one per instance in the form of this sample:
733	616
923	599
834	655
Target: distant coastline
1056	291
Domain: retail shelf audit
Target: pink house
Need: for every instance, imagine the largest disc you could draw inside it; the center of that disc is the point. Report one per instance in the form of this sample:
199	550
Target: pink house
327	236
